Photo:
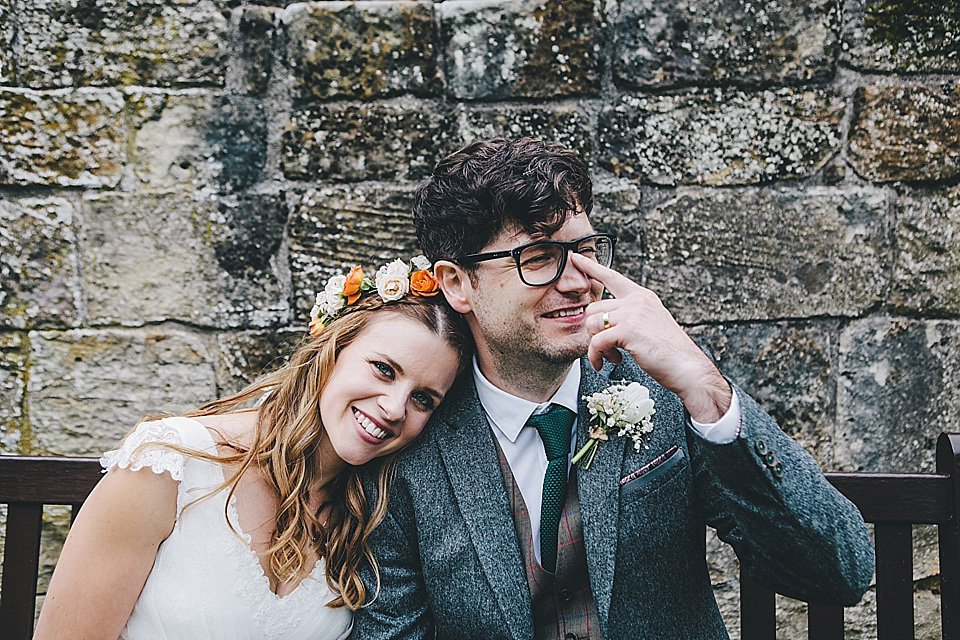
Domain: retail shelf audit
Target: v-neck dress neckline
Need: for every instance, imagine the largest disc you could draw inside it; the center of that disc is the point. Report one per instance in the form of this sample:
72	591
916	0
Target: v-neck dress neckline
207	581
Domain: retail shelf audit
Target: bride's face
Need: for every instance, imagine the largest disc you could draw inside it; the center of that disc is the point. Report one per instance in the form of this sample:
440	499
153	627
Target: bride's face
384	386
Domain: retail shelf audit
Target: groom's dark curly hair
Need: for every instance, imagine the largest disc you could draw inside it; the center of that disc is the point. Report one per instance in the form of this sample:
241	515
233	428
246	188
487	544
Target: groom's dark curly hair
489	185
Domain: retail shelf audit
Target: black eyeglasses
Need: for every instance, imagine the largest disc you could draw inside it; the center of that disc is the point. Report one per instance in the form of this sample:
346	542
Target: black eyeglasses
541	263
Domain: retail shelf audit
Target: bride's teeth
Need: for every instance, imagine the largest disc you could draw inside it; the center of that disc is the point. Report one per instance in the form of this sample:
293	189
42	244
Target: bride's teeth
369	427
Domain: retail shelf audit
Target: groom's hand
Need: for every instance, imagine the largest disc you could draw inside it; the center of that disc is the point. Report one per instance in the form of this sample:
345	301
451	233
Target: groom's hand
636	321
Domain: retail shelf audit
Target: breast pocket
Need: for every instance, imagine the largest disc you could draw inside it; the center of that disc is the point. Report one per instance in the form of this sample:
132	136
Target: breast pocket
651	477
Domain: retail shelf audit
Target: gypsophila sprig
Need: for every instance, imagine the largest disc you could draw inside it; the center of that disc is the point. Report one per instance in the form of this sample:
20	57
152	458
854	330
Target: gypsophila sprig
624	408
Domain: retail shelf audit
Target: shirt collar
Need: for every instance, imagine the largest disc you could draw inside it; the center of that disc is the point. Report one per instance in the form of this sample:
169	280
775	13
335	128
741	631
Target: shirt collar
509	414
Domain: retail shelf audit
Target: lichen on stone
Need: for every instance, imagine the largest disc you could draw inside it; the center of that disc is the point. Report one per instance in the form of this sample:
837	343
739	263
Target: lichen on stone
362	50
521	48
903	35
907	132
720	137
67	138
741	42
362	142
115	42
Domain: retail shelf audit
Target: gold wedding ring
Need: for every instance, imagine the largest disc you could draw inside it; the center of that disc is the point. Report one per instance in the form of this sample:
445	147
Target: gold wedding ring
606	319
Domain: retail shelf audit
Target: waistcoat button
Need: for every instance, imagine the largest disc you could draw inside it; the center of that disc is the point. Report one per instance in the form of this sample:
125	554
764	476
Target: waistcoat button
570	636
564	596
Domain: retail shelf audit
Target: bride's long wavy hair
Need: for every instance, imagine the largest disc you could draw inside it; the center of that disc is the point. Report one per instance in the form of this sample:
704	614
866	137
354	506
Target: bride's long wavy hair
288	438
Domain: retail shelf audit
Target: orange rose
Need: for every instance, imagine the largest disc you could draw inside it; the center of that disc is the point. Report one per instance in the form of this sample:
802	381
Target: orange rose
423	284
351	288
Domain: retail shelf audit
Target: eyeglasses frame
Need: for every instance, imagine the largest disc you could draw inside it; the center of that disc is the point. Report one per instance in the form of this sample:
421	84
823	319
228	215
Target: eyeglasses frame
515	254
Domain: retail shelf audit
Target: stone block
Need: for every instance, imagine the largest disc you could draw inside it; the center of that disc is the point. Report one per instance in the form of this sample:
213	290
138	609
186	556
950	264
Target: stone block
362	142
14	350
902	35
567	125
332	229
617	209
66	138
39	279
521	48
245	356
926	273
907	132
361	50
88	388
206	261
789	368
897	391
258	28
115	42
7	34
755	254
720	137
196	139
663	44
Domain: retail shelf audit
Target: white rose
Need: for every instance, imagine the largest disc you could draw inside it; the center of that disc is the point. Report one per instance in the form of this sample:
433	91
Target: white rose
638	402
394	269
335	286
392	286
335	302
420	263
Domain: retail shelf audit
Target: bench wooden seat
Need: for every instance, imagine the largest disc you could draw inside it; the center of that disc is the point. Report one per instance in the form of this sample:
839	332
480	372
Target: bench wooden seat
892	502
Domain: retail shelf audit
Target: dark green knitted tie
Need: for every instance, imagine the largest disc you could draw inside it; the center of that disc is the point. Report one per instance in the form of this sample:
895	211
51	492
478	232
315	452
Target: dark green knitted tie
553	425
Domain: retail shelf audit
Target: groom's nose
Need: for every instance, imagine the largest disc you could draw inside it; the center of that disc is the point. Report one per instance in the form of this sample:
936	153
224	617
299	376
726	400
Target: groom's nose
572	280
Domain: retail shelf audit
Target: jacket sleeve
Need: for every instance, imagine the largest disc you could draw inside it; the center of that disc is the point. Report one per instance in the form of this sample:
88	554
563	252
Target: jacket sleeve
399	608
768	498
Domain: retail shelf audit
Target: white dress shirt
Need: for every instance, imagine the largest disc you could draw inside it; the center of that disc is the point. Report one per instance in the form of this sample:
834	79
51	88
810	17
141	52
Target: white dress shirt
523	448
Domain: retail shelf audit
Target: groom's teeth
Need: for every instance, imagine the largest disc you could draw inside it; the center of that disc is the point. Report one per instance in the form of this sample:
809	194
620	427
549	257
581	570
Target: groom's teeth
369	427
566	312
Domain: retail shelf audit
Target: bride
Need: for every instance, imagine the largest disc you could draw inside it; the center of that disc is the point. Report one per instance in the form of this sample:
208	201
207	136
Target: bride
242	523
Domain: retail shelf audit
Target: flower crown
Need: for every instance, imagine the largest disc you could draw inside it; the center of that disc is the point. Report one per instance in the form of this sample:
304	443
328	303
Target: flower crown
393	281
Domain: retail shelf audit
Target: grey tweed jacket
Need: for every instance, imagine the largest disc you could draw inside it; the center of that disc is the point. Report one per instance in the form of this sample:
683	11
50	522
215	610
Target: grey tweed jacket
450	564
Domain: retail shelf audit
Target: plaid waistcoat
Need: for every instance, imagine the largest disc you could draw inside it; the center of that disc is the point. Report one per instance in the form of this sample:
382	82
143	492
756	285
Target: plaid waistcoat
562	603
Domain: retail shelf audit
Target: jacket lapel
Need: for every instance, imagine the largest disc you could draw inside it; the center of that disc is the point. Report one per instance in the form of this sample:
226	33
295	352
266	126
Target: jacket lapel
470	459
598	490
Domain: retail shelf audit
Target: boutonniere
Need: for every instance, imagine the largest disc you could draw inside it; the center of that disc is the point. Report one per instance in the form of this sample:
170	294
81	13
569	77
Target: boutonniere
626	408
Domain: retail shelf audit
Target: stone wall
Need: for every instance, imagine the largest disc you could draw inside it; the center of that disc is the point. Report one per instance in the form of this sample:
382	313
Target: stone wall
176	178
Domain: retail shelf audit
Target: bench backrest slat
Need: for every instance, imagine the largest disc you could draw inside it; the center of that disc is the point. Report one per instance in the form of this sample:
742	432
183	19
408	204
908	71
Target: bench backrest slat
918	498
824	622
894	543
21	558
47	480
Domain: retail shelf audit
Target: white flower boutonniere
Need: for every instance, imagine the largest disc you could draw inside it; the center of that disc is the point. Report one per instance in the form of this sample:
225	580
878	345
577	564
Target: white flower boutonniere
626	408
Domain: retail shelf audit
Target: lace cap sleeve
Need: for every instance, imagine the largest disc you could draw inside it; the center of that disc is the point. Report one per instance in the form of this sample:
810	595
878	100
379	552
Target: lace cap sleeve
144	449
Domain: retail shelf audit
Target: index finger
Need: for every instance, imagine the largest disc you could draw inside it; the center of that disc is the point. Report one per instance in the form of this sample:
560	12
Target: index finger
615	282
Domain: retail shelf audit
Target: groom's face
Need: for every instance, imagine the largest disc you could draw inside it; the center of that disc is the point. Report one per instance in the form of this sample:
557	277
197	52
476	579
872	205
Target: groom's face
518	323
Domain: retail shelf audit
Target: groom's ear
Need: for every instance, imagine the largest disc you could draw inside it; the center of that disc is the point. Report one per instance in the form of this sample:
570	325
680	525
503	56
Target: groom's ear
455	284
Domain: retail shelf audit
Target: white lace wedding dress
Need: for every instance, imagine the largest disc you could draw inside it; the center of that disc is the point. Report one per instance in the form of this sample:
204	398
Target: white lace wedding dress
207	582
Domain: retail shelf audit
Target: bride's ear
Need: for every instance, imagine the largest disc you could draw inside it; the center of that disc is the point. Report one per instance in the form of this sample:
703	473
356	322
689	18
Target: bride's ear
455	285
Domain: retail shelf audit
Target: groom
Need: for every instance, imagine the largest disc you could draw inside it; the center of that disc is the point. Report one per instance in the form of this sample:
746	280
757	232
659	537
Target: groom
491	532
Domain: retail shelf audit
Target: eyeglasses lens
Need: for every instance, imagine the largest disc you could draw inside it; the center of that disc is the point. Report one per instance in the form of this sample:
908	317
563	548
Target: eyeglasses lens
540	263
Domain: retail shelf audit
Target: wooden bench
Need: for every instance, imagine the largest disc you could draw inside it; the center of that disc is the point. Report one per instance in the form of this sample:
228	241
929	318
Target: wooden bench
26	484
893	502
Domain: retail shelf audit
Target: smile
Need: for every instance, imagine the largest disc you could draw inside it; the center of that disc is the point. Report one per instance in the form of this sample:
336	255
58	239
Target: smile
369	426
563	313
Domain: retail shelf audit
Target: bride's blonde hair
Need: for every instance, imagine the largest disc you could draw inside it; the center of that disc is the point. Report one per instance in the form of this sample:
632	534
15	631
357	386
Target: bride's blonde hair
287	439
